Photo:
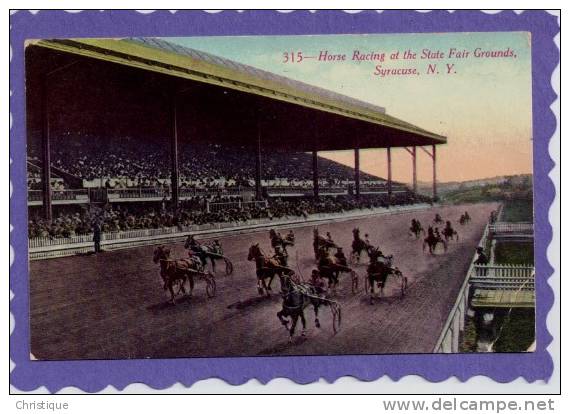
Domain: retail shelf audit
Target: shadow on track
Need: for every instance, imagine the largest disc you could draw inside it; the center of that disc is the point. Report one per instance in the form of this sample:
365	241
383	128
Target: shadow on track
254	301
182	305
283	346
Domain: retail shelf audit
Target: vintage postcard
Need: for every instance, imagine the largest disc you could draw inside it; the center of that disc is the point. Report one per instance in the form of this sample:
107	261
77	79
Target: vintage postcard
302	203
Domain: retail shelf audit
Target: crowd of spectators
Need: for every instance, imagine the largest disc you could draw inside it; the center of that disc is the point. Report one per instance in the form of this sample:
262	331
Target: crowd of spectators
129	163
113	218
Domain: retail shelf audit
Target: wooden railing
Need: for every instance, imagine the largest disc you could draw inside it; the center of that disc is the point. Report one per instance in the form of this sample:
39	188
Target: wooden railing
277	191
497	272
505	227
502	277
213	207
490	277
47	247
448	340
137	193
62	196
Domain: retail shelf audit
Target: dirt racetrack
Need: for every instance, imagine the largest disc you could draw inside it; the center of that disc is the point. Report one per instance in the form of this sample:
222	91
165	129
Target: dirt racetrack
112	305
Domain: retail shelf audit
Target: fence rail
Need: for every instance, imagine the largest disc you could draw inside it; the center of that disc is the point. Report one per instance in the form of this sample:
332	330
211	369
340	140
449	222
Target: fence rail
279	190
158	193
134	193
212	207
137	193
504	227
45	247
517	278
513	283
502	271
448	340
79	195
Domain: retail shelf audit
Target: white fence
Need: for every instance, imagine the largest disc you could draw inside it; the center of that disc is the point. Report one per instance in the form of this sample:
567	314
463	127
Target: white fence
137	193
132	194
158	193
505	227
212	207
448	341
35	197
43	248
498	272
492	277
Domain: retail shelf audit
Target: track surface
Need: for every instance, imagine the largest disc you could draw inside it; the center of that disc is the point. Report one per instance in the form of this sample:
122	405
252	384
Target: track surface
112	305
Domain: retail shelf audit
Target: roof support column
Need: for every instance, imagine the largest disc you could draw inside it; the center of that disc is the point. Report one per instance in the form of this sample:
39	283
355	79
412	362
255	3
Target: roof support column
433	156
389	158
414	171
46	155
315	173
357	172
174	155
434	172
258	189
46	152
413	153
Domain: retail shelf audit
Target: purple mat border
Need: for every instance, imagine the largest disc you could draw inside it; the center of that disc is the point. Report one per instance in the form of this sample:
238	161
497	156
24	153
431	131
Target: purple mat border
93	376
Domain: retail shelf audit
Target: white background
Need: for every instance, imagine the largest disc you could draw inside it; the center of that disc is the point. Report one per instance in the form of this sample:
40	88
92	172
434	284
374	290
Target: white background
275	404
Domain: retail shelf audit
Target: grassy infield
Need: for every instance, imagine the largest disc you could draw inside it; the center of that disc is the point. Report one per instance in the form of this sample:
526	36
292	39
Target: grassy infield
519	325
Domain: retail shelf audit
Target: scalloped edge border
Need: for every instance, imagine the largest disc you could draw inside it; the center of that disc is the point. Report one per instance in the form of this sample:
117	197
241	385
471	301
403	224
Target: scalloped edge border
93	376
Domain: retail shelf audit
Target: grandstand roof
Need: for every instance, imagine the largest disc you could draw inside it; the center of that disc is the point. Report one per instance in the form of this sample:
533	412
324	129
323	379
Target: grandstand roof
363	124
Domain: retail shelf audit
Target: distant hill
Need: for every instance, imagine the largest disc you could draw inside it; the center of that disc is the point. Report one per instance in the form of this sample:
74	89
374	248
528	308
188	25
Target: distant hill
488	189
453	186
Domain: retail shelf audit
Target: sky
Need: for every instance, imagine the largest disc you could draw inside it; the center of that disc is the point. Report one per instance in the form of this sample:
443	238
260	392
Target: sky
483	106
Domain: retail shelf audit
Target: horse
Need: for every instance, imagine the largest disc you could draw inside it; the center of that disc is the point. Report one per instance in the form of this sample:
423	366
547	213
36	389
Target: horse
432	241
212	251
278	240
438	219
378	272
320	242
449	233
464	219
358	246
416	228
330	267
297	296
290	237
174	271
266	268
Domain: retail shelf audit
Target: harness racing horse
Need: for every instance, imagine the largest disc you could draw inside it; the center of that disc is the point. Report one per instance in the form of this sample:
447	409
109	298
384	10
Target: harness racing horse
297	296
379	269
449	233
330	267
212	251
321	242
176	272
416	228
464	219
278	241
432	240
266	268
358	246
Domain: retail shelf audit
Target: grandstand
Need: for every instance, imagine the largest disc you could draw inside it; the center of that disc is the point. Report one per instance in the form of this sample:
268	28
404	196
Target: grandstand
205	140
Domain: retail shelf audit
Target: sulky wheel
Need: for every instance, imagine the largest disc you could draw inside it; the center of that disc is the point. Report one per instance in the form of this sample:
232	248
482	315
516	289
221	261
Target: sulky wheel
354	281
180	285
353	258
336	316
210	285
229	266
403	285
